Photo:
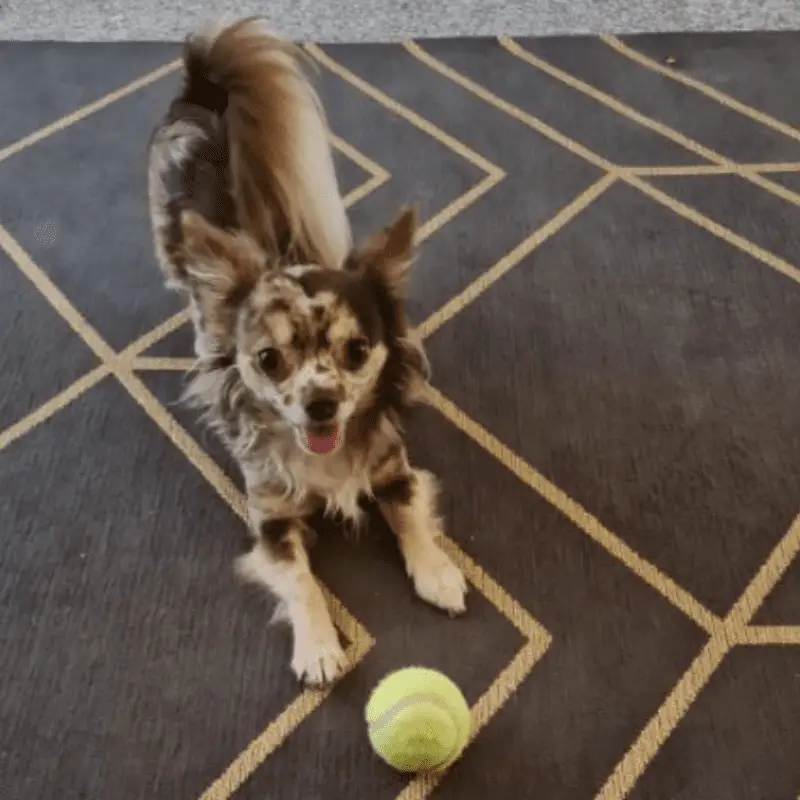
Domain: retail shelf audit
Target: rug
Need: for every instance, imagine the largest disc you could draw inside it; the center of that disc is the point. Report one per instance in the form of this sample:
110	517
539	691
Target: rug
608	286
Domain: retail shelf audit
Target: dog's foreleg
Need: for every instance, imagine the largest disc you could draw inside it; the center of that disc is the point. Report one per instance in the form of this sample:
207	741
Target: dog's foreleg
408	502
279	560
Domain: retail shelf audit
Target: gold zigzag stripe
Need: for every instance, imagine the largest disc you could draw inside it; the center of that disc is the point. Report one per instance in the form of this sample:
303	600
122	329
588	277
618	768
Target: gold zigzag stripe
720	231
308	701
54	404
374	169
163	364
528	119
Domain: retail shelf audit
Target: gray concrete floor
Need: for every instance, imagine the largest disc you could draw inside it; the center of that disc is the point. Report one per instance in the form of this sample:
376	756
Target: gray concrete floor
380	20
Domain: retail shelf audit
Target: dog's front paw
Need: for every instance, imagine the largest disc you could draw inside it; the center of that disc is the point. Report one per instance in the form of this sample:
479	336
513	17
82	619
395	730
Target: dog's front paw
439	581
319	660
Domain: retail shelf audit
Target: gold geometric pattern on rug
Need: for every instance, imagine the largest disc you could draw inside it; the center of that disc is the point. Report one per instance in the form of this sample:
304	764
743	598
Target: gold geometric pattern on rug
724	633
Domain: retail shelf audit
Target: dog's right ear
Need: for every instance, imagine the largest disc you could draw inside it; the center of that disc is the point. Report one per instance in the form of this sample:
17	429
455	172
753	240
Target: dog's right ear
389	253
218	264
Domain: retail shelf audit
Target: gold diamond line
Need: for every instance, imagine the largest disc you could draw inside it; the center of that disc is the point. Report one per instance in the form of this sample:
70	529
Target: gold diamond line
398	108
659	196
510	260
378	175
490	702
724	637
504	603
679	170
528	119
720	231
161	330
635	116
493	173
722	98
54	404
677	596
769	635
84	111
369	166
273	736
87	381
163	364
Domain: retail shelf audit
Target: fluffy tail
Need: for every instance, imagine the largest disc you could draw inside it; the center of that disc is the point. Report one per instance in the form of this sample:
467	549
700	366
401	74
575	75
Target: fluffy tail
282	171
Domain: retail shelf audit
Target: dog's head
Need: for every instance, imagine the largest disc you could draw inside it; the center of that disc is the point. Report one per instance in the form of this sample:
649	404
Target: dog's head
321	347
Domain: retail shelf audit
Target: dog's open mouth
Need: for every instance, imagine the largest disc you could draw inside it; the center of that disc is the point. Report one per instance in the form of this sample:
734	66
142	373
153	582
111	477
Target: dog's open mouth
322	439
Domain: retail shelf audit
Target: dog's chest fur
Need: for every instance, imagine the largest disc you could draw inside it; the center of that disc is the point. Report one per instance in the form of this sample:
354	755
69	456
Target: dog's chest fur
272	462
337	482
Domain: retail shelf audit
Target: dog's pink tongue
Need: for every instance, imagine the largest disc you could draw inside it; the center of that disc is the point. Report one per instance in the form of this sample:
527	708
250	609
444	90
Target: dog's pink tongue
322	443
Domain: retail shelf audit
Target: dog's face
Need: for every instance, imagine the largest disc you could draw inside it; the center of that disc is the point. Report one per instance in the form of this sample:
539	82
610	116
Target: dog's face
317	345
311	344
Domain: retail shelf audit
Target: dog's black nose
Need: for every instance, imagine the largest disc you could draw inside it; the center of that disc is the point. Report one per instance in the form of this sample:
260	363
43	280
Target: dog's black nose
322	409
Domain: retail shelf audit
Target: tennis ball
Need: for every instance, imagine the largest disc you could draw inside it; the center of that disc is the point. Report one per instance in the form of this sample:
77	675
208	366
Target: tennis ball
418	720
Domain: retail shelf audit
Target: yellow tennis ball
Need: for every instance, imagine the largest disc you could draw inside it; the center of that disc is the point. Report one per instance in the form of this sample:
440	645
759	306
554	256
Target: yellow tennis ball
418	720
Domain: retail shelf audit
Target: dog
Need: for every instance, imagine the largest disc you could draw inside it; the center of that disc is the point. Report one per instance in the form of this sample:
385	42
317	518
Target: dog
306	362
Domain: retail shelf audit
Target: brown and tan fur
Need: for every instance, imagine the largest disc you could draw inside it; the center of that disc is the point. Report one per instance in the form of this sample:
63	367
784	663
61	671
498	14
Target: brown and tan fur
306	361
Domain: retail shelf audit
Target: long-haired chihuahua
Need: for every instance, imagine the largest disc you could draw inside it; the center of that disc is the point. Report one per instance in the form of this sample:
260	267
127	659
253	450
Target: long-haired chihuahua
306	360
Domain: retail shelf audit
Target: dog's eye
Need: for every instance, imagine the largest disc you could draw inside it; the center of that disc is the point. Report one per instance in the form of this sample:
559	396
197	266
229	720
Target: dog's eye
269	359
357	352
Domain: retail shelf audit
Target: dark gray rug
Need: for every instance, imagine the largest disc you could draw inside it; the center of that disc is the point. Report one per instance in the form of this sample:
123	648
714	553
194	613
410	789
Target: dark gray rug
609	290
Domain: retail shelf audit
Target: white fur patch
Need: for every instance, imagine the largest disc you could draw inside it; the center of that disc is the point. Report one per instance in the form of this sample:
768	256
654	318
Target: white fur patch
318	657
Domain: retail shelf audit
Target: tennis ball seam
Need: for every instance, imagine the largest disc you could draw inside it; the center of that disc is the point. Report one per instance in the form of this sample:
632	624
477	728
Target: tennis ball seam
386	716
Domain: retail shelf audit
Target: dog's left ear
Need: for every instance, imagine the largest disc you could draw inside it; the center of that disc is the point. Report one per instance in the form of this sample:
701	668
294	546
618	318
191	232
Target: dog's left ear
389	253
218	263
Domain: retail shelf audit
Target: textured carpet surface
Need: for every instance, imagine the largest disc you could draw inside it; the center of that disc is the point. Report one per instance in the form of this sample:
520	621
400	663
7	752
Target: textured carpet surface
608	284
